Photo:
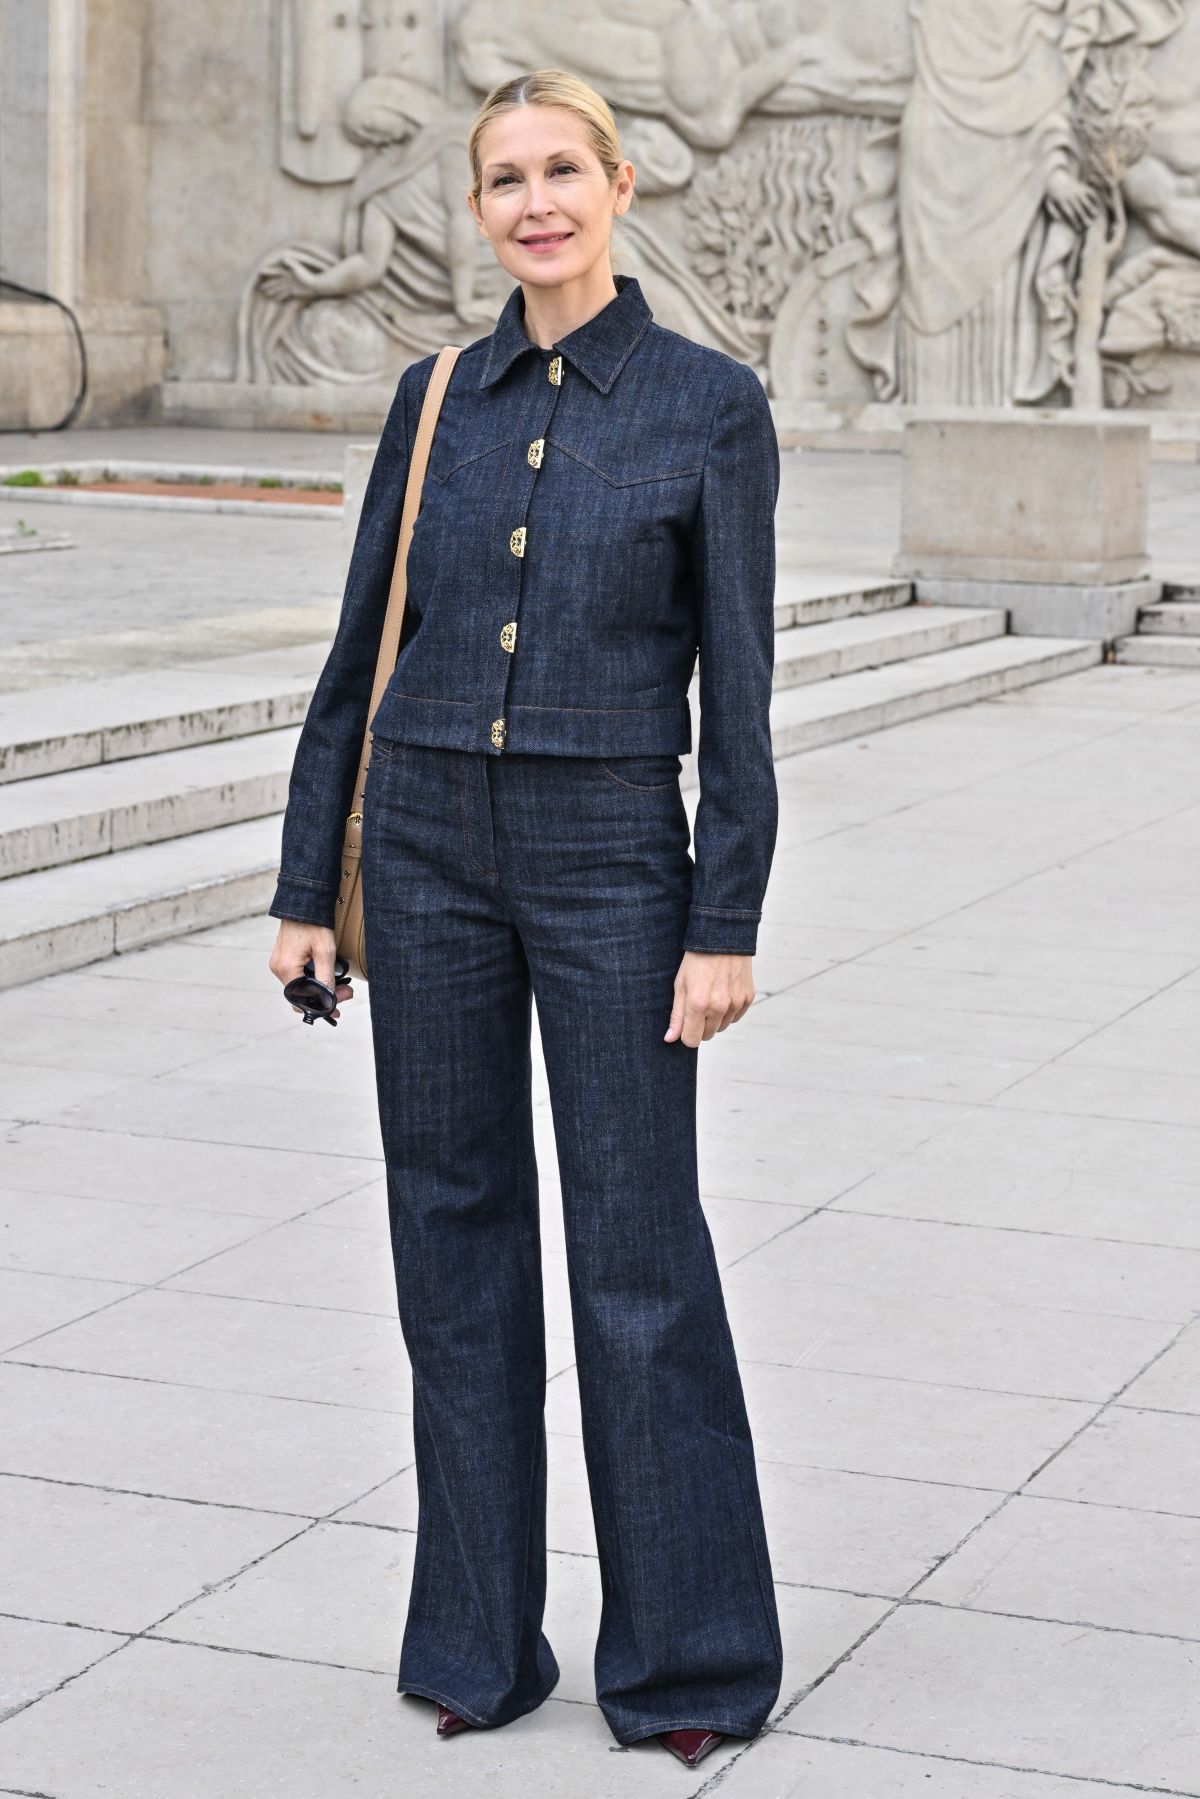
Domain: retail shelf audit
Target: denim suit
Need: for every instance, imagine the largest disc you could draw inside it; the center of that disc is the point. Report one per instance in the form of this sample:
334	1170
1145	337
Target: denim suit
525	841
594	514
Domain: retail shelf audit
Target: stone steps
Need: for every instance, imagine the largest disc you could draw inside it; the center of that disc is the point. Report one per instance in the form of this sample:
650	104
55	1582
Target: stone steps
845	646
140	807
67	917
808	717
88	722
805	596
1168	633
110	807
1170	618
1158	650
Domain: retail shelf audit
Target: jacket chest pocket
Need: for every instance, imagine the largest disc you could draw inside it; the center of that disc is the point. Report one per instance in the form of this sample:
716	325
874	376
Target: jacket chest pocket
621	579
619	541
458	504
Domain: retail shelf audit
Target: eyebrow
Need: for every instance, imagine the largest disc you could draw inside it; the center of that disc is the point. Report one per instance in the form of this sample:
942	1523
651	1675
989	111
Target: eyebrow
552	157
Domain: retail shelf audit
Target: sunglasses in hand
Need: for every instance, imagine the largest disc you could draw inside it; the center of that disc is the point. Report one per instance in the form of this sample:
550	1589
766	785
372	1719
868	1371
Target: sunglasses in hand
313	997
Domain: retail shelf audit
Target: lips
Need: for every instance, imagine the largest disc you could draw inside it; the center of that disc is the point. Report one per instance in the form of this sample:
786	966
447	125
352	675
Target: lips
549	237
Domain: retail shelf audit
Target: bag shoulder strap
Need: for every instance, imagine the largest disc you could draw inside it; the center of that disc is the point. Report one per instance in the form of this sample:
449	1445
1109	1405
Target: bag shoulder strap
389	647
389	644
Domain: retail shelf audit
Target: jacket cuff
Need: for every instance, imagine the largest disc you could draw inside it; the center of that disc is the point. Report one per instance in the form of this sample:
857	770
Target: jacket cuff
722	932
307	902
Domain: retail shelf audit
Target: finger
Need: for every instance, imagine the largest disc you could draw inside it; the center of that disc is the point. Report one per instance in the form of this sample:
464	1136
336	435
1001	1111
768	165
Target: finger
677	1015
323	960
695	1021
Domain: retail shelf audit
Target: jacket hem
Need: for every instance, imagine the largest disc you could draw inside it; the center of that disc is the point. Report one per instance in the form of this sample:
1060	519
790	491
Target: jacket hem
535	730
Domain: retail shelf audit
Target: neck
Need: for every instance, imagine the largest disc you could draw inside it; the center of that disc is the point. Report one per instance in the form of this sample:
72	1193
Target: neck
552	313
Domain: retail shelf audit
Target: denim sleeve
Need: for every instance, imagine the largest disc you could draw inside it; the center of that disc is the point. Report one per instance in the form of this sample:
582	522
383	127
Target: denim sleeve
321	785
733	551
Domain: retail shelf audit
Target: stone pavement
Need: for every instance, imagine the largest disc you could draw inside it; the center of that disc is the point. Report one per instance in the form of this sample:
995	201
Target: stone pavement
951	1162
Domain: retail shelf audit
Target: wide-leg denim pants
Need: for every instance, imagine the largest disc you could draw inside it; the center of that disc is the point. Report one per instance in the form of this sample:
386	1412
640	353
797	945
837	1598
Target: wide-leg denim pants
490	882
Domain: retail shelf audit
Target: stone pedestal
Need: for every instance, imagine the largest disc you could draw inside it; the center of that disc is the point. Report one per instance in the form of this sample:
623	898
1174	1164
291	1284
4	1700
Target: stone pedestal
357	462
74	223
40	365
1045	514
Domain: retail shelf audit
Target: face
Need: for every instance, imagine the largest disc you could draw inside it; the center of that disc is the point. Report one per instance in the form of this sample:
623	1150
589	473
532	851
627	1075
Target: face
546	204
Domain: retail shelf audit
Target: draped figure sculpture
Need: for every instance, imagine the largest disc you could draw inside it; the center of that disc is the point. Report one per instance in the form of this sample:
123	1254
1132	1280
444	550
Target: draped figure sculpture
992	206
412	267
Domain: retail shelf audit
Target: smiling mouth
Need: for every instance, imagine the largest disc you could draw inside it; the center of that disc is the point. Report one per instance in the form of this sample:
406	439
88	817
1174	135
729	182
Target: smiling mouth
548	237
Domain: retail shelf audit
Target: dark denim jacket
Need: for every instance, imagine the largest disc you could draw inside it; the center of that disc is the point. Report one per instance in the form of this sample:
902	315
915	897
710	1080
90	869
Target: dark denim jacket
594	514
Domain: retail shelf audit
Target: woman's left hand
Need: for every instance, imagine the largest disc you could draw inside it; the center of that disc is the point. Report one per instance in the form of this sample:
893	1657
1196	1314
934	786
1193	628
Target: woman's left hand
711	991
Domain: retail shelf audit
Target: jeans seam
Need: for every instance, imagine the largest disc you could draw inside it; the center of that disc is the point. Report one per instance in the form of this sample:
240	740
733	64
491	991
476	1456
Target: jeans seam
726	1351
454	1705
653	1730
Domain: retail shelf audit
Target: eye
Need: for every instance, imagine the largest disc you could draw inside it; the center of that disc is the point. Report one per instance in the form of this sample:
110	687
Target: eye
568	166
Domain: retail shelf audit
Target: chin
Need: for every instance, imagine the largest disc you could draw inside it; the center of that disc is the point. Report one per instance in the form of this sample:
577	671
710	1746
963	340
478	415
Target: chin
554	269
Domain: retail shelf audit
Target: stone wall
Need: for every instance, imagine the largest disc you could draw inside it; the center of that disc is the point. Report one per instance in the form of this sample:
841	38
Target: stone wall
919	203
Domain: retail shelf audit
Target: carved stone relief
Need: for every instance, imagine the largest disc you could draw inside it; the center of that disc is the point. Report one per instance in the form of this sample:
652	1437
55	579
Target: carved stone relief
965	202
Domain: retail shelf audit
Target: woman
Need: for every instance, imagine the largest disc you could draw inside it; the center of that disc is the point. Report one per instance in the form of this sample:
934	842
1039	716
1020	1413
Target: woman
599	504
408	272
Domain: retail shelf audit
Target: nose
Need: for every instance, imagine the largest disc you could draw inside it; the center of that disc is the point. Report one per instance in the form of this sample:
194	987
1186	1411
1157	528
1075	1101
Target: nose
537	198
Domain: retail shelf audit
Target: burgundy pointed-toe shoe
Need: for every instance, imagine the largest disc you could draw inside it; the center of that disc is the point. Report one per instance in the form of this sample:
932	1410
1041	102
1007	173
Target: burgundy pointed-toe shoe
448	1722
690	1746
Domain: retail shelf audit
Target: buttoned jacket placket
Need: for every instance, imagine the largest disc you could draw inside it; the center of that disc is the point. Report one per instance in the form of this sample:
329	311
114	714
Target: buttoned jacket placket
517	519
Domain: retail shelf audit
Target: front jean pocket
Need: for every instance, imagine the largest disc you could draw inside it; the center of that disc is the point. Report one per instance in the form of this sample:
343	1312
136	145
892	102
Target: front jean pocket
644	774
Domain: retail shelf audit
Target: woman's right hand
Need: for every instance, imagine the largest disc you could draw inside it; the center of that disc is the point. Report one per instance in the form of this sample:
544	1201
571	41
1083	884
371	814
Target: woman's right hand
297	943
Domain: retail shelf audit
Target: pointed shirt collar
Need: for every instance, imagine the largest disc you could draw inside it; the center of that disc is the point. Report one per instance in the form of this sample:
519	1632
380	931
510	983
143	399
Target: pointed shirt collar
598	348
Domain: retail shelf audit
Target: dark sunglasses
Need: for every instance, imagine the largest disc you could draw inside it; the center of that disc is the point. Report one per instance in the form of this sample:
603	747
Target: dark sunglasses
315	999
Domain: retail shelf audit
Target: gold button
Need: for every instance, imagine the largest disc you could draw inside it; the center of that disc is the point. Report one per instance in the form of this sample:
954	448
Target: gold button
516	542
498	733
555	371
508	637
535	452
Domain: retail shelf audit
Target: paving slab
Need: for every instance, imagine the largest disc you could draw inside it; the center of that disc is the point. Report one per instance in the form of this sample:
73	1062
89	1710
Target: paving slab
1084	1564
112	1239
146	1556
161	1171
38	1656
150	1436
1149	1460
905	1257
959	1683
34	1304
789	1764
839	1323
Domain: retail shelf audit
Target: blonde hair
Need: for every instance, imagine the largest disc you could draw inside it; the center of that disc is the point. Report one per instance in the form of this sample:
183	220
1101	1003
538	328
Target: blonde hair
549	87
